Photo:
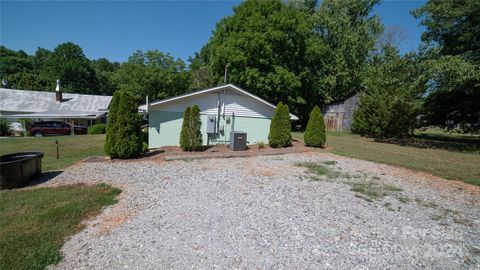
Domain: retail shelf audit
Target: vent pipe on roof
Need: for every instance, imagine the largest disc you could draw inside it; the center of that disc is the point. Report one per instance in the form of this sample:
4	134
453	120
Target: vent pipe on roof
58	92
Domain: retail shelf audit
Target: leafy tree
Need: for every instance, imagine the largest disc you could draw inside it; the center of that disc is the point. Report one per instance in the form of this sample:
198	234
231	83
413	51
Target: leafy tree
453	101
185	132
453	27
292	52
346	35
392	99
201	76
263	47
315	132
280	130
69	64
104	71
129	143
152	73
111	128
452	53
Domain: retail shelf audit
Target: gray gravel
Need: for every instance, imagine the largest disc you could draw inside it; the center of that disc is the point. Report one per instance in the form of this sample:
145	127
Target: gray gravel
267	213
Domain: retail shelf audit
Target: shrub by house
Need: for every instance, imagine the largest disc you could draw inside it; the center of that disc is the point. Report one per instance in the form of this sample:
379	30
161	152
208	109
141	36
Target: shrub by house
110	127
124	134
315	132
190	135
280	131
97	129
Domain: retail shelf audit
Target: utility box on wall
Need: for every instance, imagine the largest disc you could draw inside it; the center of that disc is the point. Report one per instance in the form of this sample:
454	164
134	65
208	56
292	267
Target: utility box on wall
238	141
211	124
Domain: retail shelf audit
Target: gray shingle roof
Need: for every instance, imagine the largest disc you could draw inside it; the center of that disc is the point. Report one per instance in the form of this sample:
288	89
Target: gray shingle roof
38	101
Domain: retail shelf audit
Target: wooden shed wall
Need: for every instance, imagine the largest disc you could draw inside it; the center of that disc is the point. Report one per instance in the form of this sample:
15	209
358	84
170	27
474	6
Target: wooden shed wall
339	115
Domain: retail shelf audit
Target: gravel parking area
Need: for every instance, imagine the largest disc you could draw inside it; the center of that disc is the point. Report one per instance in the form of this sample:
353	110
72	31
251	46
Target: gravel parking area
267	212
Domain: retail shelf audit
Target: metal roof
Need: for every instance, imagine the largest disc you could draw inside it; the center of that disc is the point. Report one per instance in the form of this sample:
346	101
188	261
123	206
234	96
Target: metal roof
26	101
226	87
58	114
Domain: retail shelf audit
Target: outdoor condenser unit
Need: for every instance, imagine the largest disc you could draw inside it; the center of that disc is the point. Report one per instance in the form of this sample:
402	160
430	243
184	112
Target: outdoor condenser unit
238	141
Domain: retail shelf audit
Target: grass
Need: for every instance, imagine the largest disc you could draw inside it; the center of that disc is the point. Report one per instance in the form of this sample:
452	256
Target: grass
319	169
329	162
34	223
457	159
371	190
425	203
71	148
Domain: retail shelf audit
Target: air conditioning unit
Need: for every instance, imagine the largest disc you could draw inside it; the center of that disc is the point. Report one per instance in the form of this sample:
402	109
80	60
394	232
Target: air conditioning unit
238	141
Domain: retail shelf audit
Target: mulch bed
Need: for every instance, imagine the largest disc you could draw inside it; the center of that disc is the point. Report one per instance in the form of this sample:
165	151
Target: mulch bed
168	153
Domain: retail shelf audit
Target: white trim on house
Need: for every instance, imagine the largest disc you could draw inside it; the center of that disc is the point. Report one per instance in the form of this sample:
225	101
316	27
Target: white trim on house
227	86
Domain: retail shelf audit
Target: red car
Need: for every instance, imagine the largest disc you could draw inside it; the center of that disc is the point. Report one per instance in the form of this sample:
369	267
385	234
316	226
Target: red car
47	128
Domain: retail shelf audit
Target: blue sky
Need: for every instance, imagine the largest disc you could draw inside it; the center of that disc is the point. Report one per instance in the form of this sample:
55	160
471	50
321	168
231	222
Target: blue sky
115	29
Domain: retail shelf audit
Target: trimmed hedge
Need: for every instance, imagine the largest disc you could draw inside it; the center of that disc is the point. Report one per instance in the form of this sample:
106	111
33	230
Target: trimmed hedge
190	135
184	133
97	129
111	127
315	133
280	130
124	134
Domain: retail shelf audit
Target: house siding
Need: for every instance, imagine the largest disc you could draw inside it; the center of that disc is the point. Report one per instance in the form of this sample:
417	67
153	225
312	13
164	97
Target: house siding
165	128
239	104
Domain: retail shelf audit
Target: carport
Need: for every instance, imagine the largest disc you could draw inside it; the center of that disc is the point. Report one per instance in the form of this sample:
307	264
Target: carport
67	116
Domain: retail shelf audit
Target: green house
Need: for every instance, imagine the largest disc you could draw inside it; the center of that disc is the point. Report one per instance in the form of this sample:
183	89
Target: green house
223	109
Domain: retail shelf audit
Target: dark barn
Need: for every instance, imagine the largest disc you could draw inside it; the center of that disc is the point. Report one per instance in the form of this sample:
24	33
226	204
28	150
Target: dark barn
338	115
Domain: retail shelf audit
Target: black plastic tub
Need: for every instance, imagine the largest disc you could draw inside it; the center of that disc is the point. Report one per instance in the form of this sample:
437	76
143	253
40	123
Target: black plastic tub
18	169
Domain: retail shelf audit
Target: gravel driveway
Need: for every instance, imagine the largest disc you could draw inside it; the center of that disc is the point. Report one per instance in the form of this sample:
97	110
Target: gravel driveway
268	213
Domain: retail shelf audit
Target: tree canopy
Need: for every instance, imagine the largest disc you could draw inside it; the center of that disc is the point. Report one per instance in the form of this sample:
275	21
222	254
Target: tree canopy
293	52
451	51
151	73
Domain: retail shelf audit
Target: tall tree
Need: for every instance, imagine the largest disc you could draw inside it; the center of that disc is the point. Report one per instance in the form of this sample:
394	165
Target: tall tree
293	52
392	98
152	73
453	27
452	51
262	46
346	35
104	71
69	64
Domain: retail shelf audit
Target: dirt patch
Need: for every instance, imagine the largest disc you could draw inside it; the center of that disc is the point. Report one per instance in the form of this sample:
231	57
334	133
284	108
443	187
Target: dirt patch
110	222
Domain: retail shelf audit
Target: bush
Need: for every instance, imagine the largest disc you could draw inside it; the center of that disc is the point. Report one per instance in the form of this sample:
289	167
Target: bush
315	132
261	145
5	129
184	133
129	142
382	115
124	133
97	129
196	125
190	135
280	131
111	124
392	97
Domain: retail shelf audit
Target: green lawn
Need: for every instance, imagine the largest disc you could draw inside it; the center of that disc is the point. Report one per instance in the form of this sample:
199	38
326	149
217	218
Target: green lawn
71	148
446	155
34	223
